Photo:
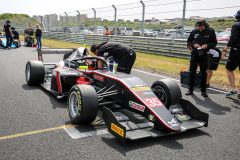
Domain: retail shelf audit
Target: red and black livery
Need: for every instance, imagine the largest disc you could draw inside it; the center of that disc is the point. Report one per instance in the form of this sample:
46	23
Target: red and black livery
130	108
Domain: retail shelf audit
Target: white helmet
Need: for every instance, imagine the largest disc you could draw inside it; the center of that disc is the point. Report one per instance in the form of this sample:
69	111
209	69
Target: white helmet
81	51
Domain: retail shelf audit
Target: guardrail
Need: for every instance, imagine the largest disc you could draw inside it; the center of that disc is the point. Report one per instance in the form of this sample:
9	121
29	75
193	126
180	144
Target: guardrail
161	46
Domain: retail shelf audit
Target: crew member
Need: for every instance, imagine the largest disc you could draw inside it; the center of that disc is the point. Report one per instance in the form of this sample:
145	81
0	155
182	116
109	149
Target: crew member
16	35
121	53
213	62
8	33
106	32
199	42
234	56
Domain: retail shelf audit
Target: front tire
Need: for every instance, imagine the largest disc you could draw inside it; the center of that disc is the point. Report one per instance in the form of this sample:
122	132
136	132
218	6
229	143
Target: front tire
34	72
167	91
82	104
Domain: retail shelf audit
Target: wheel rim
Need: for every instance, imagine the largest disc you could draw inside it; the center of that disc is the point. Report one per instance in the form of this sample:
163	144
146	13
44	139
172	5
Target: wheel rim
73	104
161	94
28	73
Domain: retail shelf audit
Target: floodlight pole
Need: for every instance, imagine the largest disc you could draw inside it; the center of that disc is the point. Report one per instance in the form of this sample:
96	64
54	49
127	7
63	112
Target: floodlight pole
66	21
143	16
94	11
115	19
79	21
183	17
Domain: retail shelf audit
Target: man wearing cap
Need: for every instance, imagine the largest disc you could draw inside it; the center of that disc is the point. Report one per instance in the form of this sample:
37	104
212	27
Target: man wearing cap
234	56
200	40
8	33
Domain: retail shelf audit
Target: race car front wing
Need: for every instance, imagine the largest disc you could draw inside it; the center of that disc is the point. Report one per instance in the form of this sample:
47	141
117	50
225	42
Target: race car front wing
129	126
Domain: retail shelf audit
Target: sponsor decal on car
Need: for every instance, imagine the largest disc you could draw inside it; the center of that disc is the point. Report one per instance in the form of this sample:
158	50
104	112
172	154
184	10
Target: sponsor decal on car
99	78
173	123
117	129
140	88
145	93
136	106
79	102
151	117
82	68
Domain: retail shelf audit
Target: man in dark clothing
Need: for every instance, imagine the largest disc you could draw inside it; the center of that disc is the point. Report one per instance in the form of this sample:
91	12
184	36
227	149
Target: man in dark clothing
122	54
234	56
199	42
8	33
16	35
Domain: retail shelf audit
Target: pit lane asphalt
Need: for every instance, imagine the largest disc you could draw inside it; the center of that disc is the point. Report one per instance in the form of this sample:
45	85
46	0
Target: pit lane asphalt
25	109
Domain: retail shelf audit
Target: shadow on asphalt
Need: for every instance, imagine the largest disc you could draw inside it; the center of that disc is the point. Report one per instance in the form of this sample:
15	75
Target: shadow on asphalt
237	102
213	107
197	89
27	87
56	103
209	103
170	142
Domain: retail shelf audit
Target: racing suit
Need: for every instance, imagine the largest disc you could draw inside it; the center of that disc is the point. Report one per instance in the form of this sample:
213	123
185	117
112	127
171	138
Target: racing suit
234	42
208	37
122	54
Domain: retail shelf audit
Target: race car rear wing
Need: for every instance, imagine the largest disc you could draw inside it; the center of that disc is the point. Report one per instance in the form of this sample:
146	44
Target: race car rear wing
65	51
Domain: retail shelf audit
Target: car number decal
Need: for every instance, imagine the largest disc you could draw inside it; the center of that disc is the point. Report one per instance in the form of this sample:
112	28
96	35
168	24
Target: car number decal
153	102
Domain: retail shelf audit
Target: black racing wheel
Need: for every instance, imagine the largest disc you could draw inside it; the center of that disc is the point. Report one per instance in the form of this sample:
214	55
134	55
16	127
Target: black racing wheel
167	91
34	72
82	104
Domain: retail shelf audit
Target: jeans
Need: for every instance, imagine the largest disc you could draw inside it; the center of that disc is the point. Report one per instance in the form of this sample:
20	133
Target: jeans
9	40
39	43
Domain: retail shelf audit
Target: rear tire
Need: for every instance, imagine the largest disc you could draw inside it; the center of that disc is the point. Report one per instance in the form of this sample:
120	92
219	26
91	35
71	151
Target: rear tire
167	91
34	72
82	104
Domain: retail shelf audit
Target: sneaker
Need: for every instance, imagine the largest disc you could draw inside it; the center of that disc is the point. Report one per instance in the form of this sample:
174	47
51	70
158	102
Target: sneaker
204	94
189	93
231	93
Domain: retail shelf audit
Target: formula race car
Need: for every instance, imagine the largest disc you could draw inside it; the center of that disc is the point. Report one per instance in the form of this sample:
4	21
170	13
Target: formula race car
3	42
130	108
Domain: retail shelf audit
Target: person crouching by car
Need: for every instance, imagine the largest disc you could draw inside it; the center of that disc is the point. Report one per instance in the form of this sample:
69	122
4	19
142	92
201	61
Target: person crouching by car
199	42
16	36
38	35
213	62
121	53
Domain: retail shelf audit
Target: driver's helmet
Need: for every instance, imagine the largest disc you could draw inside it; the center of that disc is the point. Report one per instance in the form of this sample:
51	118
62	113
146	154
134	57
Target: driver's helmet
81	51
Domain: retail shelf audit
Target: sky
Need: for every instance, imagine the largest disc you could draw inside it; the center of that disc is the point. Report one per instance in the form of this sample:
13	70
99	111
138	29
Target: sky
159	9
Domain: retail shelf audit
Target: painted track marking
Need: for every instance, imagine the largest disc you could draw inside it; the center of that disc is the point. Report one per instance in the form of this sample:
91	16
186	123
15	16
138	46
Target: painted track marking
36	132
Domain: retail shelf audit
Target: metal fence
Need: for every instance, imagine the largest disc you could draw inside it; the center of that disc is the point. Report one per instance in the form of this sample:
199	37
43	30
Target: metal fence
160	46
151	14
